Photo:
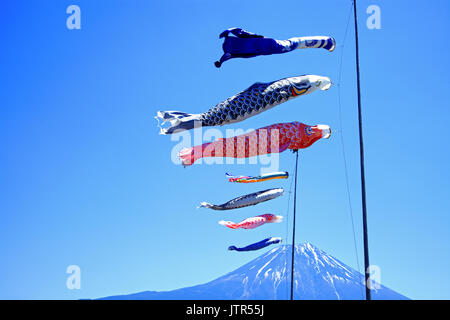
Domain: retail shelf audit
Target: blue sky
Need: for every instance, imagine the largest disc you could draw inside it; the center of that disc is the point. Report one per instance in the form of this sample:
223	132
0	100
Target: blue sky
86	180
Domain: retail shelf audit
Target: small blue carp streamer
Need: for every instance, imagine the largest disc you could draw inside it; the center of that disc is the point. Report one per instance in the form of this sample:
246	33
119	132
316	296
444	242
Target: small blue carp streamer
258	245
247	200
257	98
244	44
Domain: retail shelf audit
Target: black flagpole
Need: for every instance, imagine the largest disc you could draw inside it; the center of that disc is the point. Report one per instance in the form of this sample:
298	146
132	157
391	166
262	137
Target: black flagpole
293	225
363	179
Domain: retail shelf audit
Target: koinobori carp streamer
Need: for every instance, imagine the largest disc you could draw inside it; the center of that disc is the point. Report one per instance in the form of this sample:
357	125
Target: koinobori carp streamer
257	98
243	44
258	245
253	222
271	139
246	200
263	177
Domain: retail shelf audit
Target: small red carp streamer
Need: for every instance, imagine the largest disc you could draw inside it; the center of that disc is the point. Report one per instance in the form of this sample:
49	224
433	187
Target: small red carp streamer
254	222
271	139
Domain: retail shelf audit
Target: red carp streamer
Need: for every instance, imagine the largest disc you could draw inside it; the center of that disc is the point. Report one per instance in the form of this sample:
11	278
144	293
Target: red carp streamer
254	222
271	139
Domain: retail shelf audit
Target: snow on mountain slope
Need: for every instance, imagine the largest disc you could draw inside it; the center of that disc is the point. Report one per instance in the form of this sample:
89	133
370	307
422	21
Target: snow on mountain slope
317	276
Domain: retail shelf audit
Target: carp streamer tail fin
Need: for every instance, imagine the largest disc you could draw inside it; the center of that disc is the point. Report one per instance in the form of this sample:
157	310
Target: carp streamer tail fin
209	205
189	155
178	121
229	224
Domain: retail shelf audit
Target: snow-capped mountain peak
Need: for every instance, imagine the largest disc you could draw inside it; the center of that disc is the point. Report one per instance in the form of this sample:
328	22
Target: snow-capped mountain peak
317	275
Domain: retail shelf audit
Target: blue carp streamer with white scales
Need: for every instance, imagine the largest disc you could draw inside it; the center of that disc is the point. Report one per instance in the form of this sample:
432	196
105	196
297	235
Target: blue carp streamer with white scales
257	98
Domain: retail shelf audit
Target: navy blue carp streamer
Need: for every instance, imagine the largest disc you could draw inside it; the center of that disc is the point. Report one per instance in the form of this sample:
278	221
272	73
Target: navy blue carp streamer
258	245
257	98
244	44
246	200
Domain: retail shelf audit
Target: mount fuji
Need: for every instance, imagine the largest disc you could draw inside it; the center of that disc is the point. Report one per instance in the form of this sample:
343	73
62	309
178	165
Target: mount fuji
318	276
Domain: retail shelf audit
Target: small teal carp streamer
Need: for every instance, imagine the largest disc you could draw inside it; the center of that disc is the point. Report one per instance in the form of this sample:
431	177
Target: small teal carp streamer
246	200
244	44
257	98
258	245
